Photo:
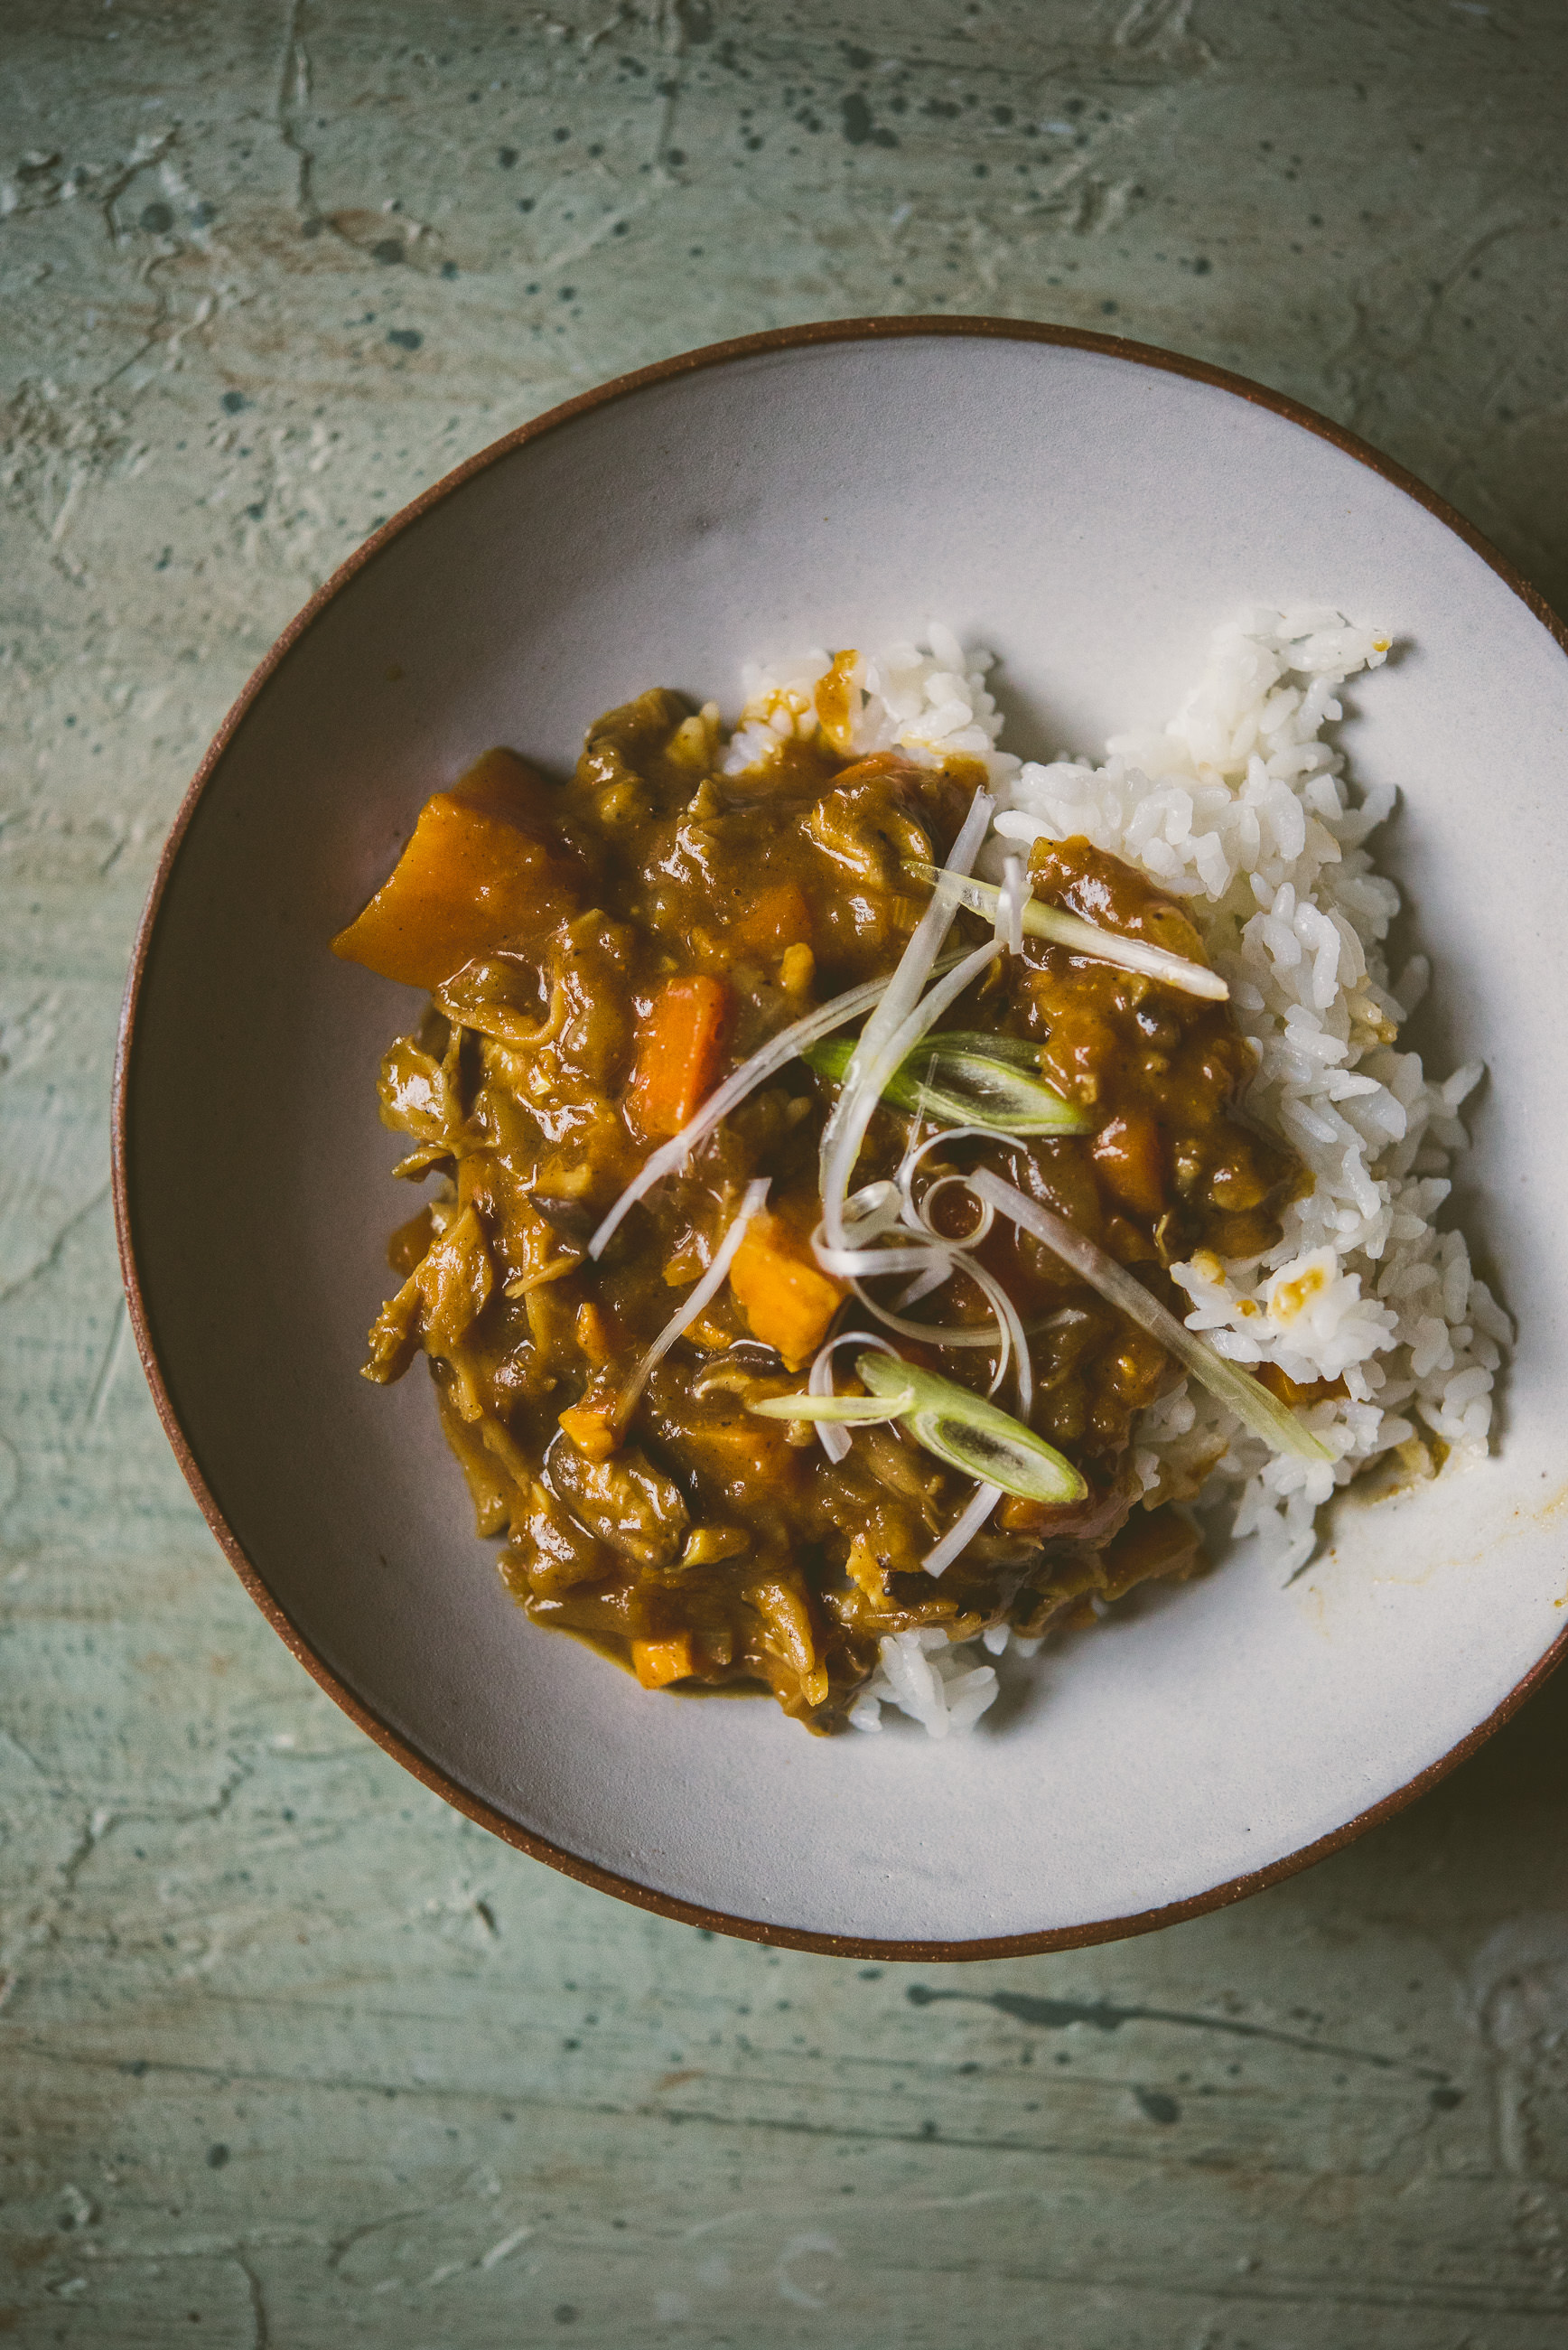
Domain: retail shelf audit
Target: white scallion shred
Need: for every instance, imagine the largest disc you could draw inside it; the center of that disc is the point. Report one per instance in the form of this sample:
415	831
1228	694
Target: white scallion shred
713	1281
776	1054
1247	1398
1071	931
1009	900
873	1059
867	1091
963	1529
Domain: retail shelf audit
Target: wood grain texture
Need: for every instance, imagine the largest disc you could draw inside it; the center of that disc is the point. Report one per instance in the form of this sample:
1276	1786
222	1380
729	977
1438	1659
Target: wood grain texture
292	2055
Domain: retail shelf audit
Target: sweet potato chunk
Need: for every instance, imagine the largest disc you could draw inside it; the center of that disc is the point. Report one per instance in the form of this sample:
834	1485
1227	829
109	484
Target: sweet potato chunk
656	1663
788	1301
482	867
678	1049
780	918
593	1426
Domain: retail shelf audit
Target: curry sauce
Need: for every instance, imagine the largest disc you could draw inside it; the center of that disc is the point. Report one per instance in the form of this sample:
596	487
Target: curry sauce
601	954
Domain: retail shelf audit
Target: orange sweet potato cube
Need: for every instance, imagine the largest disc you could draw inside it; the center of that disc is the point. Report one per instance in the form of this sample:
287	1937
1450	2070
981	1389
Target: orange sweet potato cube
788	1301
482	867
656	1663
592	1427
780	918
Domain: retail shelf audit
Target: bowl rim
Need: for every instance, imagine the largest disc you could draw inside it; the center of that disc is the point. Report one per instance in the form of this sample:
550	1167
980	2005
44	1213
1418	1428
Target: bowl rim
393	1741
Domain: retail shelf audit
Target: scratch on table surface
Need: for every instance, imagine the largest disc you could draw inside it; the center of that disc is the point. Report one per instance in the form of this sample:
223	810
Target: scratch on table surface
147	149
568	2107
791	2288
1459	269
289	110
157	332
1519	1991
94	1830
51	1255
505	2248
342	2246
54	430
1163	28
11	1743
1104	2015
261	2334
109	1369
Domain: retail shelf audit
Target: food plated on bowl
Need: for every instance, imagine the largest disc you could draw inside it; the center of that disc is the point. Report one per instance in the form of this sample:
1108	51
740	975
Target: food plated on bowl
1093	514
838	1258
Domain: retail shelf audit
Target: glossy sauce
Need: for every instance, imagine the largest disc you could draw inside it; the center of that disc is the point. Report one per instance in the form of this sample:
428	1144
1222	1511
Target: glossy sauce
686	913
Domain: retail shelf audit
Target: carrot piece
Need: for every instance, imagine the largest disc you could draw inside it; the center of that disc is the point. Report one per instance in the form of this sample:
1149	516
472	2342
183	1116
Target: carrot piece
480	867
780	918
788	1301
656	1663
678	1050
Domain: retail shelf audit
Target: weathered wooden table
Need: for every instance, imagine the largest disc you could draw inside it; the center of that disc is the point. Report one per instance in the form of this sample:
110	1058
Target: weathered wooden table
294	2057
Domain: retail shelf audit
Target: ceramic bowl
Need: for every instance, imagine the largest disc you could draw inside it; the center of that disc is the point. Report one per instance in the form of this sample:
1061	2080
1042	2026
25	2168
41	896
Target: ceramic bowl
1090	509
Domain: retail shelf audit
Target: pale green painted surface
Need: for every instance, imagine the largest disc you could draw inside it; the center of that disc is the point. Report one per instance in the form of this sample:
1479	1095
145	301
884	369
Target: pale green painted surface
292	2056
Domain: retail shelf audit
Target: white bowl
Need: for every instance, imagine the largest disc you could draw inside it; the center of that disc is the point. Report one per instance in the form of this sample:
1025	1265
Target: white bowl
1090	509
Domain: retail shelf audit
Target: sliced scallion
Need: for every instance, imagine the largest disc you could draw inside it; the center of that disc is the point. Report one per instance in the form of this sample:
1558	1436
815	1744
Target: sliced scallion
856	1410
972	1435
957	1079
1016	1051
1079	937
902	1017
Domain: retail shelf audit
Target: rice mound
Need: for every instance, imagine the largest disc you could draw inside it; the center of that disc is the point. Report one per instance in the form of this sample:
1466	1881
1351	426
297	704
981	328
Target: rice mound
1241	807
932	702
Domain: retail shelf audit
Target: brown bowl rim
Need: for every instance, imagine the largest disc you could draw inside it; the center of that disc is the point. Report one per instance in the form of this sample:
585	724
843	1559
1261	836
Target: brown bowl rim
430	1774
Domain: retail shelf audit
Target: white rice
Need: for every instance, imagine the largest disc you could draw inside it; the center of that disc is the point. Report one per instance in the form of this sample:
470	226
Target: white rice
926	1677
1241	807
933	701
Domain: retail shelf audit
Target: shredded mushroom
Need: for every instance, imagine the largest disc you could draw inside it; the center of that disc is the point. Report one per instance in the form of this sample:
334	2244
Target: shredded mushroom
708	1288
